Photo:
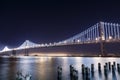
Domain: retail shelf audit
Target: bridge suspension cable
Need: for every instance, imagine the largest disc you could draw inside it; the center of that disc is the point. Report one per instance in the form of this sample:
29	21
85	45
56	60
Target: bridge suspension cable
110	32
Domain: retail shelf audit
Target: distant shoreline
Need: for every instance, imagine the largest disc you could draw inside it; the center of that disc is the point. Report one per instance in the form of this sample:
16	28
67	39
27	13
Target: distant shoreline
54	56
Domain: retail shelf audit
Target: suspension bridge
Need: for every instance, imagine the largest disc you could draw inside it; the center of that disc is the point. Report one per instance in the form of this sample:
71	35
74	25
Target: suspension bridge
102	32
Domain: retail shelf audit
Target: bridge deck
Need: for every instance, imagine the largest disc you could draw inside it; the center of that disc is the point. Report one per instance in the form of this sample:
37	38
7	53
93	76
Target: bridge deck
92	49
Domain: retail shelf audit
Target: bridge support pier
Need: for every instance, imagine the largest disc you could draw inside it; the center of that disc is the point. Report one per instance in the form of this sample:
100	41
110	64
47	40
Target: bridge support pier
102	38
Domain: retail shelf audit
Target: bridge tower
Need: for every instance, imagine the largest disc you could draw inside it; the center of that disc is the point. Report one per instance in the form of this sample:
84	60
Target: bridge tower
26	48
102	37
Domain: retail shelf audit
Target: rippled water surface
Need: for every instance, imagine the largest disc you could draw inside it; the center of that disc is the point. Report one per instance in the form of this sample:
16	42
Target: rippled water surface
45	68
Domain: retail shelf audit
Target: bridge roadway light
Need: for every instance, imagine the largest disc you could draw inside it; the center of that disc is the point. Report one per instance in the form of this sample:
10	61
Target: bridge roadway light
78	40
110	37
96	39
103	38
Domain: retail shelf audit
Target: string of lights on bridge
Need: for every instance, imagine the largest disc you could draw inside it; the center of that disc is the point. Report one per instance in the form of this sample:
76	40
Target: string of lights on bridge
101	31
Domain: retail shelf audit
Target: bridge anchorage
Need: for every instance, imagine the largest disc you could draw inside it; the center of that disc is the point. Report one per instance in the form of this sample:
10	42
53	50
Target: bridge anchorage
101	32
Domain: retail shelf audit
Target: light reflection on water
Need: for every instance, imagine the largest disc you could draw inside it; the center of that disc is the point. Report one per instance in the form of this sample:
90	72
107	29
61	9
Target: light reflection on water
45	68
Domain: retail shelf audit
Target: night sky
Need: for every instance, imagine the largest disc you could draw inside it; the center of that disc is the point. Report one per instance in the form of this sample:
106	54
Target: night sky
51	21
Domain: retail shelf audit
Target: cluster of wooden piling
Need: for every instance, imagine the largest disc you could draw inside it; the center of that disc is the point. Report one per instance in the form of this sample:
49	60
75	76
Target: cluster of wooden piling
111	68
20	76
73	73
59	72
87	72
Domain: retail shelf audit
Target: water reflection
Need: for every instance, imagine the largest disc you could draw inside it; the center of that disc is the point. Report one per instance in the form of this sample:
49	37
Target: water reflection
100	75
45	68
114	76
